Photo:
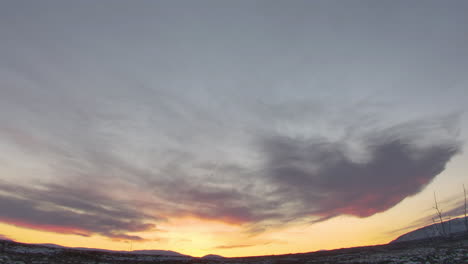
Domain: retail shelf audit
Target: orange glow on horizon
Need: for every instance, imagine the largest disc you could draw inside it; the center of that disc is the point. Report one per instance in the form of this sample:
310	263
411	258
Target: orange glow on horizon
197	238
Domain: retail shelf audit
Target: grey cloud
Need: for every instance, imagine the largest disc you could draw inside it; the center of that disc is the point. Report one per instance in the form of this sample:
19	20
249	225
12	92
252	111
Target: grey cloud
325	179
457	210
316	178
221	199
64	209
299	178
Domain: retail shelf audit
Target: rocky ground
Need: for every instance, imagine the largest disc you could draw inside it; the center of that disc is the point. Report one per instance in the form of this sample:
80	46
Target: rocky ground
452	250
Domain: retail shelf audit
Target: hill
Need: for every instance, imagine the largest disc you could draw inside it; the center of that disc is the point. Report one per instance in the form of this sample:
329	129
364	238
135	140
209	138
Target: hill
439	250
451	227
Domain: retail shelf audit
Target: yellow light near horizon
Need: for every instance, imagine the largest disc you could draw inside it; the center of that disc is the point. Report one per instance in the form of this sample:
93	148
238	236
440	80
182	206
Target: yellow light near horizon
197	238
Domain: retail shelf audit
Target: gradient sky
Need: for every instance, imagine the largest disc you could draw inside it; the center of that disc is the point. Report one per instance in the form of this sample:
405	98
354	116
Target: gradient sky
230	127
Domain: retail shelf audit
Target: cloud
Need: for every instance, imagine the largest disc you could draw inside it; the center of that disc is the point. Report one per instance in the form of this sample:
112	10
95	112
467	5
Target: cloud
323	178
3	237
61	209
234	246
455	211
111	176
316	178
297	178
258	243
233	203
450	208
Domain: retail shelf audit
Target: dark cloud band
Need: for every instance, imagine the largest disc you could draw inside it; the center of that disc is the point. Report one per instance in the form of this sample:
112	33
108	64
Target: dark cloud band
325	181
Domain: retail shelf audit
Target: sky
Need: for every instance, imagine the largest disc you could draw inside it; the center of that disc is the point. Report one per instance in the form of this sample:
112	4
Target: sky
230	127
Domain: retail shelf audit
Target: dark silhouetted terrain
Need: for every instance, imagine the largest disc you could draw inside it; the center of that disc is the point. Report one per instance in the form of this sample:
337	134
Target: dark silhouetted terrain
432	250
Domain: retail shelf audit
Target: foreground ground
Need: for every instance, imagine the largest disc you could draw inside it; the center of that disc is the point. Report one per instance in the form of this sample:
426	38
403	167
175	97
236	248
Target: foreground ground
448	250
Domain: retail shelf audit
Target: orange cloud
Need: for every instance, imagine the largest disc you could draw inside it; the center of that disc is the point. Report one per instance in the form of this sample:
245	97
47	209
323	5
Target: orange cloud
48	228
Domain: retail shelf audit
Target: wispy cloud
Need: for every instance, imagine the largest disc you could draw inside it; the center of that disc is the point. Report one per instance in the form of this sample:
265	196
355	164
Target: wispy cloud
234	246
298	178
4	237
67	210
450	208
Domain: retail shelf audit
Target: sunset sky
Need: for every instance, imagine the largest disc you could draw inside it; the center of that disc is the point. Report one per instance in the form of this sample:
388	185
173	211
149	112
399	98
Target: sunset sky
241	127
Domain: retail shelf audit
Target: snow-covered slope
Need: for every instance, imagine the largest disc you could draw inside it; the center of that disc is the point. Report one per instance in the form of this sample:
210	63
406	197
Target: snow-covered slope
449	227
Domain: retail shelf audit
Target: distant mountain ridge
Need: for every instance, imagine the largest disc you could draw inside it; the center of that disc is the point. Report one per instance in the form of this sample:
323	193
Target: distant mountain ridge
451	227
140	252
447	250
158	252
212	256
